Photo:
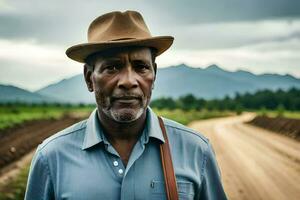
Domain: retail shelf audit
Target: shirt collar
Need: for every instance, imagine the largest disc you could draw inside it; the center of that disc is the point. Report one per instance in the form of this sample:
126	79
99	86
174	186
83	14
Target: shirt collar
153	127
94	133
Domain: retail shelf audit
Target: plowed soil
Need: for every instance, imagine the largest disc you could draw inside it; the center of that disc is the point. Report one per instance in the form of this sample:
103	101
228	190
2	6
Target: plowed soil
17	141
285	126
255	164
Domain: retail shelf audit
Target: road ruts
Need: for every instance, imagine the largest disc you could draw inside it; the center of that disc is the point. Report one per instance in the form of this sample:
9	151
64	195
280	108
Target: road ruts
256	164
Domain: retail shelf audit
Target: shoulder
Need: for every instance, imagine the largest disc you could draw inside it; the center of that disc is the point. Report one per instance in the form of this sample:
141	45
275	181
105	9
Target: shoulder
72	134
183	135
177	128
186	141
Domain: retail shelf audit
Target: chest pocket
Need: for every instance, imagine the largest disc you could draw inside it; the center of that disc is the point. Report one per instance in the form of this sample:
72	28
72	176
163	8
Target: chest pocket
185	190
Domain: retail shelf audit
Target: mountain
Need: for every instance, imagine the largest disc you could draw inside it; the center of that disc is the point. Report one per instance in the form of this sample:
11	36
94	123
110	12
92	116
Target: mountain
71	90
11	93
211	82
214	82
175	81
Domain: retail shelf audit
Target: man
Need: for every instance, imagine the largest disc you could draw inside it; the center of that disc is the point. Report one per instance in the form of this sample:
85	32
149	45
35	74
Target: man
115	153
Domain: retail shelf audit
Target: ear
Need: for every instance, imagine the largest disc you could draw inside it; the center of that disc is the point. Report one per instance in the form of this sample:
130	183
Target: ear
87	72
155	69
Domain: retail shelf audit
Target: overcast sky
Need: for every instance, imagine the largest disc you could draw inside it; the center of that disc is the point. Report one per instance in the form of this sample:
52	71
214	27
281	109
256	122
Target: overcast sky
261	36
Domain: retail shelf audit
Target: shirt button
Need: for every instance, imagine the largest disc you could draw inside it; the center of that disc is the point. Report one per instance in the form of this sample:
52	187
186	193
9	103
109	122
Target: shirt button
115	163
120	171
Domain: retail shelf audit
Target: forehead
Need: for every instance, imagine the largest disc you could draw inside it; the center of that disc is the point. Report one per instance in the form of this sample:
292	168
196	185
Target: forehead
132	53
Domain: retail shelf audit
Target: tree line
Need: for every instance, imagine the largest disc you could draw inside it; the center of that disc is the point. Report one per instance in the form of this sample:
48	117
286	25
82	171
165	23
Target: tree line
263	99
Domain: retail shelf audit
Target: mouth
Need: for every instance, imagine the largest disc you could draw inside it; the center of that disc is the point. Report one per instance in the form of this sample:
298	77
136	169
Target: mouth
126	99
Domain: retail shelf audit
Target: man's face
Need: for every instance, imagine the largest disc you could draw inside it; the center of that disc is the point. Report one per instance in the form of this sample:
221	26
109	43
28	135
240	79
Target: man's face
122	81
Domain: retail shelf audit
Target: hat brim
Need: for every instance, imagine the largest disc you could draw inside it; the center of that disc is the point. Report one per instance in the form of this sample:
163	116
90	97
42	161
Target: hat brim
80	52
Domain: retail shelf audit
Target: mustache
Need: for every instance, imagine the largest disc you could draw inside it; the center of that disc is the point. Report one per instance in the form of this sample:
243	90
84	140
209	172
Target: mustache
127	96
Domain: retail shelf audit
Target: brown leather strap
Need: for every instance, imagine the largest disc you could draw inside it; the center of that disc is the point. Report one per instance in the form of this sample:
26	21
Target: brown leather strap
167	165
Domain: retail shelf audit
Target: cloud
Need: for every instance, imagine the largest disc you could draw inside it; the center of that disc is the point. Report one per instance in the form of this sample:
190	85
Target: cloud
235	34
259	36
58	22
271	57
211	11
65	22
4	6
30	65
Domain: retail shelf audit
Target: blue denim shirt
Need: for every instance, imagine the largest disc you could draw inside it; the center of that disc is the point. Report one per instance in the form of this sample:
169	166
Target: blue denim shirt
79	163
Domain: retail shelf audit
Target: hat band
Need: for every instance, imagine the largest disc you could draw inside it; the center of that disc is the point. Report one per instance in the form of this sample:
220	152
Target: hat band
123	39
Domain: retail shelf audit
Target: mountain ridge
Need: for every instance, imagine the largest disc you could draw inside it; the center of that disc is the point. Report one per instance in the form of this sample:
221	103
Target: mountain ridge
178	80
10	93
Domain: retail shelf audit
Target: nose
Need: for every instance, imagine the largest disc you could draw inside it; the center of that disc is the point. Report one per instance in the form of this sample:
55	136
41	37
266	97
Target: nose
128	79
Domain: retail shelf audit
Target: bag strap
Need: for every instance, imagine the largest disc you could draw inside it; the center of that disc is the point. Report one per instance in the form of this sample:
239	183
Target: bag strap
167	165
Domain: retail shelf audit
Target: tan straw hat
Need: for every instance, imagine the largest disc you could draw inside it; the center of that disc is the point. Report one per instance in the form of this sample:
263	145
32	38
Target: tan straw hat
117	29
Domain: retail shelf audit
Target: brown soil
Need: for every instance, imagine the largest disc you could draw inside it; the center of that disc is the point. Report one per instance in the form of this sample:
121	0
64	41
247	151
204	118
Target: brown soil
17	141
255	163
285	126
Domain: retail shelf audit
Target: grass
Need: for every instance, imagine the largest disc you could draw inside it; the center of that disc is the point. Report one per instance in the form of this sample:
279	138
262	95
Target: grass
14	115
15	190
18	114
185	117
276	113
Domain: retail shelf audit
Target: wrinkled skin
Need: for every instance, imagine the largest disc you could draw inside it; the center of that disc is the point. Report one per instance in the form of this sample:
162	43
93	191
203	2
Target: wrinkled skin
122	80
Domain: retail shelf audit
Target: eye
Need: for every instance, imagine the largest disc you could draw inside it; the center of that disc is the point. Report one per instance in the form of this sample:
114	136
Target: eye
142	67
110	68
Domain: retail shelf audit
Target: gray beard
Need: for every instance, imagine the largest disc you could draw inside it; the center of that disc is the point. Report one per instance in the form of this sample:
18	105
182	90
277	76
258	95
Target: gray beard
123	117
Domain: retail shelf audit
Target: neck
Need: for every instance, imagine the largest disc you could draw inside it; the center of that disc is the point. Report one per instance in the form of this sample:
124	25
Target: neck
122	136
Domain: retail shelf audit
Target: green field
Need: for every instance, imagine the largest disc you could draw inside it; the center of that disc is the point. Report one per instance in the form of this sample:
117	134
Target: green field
18	114
185	117
278	113
15	190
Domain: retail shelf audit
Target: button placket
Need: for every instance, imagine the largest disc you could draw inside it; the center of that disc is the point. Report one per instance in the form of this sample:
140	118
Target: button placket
117	166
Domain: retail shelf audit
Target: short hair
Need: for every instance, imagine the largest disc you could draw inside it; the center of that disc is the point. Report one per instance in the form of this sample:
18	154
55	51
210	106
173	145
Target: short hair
90	60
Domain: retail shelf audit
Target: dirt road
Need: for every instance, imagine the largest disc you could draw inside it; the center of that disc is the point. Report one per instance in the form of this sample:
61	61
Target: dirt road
255	163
